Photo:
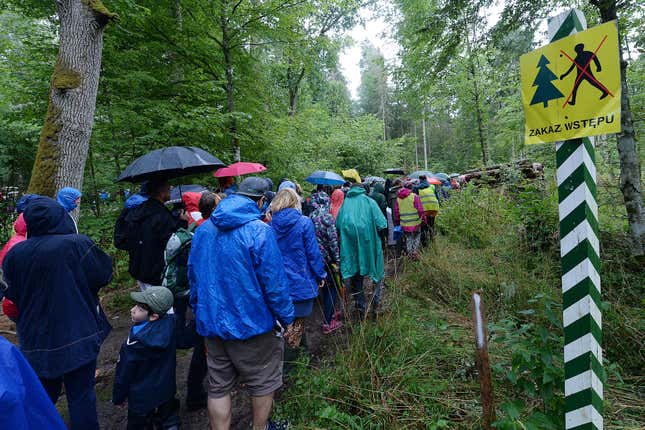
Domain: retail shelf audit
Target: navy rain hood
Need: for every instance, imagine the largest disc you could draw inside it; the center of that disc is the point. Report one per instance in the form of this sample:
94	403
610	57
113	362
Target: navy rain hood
53	278
145	373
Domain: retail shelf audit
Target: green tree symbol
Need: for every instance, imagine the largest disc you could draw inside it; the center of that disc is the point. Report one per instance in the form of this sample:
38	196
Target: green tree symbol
545	89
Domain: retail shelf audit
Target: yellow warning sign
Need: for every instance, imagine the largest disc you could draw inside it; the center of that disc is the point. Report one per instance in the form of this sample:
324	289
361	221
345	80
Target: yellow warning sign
571	88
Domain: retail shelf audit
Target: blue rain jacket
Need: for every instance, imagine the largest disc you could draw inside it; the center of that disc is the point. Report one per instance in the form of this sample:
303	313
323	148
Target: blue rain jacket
24	404
145	373
67	197
238	286
54	278
303	262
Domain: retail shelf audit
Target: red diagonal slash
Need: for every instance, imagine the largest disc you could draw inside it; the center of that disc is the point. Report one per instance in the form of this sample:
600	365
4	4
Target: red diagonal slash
584	71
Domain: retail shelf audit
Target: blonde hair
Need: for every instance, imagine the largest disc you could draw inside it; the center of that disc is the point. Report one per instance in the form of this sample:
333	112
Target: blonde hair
286	198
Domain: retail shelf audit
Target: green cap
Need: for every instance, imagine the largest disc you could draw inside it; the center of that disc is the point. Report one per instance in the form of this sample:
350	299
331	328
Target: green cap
159	299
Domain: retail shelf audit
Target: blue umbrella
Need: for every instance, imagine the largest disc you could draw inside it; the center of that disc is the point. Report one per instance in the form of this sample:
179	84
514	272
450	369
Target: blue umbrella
323	177
170	162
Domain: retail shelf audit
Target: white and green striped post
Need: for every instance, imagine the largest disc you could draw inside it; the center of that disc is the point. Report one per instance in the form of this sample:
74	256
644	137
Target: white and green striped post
579	251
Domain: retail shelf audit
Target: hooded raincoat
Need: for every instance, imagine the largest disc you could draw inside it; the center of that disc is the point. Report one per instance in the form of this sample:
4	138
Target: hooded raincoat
359	222
145	373
54	277
325	226
337	199
378	194
238	286
191	203
20	228
24	404
299	248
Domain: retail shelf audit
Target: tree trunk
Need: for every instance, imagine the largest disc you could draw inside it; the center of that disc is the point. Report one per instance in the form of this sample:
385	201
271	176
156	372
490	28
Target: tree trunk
65	137
478	112
230	96
630	169
425	139
294	88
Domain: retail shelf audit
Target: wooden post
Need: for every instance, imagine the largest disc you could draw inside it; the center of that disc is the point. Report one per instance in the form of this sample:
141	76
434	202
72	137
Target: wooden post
580	256
483	360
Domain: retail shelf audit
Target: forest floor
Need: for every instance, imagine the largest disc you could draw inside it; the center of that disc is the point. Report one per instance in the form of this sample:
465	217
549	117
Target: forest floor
112	417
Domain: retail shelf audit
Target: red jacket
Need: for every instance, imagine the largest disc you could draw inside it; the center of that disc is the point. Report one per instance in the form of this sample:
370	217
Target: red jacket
20	228
191	203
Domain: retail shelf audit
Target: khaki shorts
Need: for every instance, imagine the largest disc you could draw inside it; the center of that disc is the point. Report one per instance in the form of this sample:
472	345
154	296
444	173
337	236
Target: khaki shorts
255	362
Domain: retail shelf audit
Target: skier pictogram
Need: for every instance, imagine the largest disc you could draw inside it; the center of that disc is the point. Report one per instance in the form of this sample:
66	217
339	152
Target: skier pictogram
545	89
581	63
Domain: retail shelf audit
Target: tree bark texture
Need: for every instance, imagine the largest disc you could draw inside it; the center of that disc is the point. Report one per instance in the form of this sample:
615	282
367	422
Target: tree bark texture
630	169
65	137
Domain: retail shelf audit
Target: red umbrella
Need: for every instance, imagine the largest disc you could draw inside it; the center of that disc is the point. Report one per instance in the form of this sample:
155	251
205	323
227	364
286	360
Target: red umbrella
238	169
434	181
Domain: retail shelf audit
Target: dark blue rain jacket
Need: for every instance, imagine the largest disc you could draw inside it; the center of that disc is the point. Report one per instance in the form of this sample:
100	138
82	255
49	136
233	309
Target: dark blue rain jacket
54	278
145	373
24	404
303	262
238	287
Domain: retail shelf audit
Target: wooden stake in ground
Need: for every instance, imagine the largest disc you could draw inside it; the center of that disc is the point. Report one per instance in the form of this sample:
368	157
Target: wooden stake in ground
483	360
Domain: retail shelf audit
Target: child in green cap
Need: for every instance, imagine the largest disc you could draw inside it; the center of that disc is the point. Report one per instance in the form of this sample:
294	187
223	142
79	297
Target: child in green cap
145	373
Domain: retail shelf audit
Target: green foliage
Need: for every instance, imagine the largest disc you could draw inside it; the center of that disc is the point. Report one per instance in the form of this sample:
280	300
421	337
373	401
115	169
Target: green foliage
532	365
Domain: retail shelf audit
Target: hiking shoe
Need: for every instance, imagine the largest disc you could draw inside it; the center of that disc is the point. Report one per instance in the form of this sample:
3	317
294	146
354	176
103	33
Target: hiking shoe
277	425
331	327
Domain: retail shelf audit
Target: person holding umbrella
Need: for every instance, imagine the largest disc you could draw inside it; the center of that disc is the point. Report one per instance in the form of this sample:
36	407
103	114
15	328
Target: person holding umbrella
144	230
149	226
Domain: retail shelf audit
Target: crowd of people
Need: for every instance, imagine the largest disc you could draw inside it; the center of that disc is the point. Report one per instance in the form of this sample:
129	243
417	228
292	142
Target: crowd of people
233	275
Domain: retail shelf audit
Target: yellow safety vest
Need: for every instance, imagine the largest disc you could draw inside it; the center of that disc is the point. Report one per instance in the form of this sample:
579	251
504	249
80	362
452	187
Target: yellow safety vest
428	199
407	212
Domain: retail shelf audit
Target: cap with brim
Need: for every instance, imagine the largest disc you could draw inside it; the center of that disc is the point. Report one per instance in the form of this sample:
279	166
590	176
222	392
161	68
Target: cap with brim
159	299
253	187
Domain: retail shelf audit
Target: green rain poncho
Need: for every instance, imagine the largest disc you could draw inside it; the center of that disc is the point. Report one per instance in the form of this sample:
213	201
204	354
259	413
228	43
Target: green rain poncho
359	221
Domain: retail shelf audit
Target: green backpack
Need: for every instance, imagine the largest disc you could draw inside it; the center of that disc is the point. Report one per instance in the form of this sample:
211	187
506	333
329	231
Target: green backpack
176	256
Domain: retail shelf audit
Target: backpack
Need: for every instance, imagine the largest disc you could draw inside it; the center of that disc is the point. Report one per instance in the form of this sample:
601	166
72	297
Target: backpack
175	276
123	231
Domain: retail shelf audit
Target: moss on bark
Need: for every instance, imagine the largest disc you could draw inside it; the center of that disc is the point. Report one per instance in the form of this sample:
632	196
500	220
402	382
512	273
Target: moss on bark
102	13
65	78
47	159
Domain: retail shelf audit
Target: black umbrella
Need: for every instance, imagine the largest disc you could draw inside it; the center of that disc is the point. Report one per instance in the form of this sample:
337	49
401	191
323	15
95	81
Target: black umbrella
396	171
171	162
178	190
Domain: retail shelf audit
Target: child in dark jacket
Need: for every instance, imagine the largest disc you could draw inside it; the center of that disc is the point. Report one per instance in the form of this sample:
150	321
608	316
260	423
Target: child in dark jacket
145	373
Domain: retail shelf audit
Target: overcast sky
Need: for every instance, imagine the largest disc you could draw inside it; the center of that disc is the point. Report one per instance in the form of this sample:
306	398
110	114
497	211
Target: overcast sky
376	31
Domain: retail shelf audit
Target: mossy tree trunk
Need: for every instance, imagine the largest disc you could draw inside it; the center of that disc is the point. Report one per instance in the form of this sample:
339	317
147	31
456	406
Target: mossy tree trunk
630	168
65	137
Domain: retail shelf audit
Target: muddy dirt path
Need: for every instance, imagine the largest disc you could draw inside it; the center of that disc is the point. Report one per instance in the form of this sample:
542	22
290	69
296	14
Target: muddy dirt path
111	417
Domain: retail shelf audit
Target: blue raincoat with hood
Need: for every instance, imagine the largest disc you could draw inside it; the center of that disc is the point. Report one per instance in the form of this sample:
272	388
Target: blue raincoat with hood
24	404
54	278
299	247
67	198
238	286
